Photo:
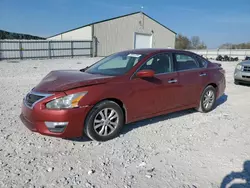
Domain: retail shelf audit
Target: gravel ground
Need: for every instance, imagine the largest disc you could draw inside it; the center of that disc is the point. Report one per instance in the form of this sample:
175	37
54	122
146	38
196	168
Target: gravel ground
184	150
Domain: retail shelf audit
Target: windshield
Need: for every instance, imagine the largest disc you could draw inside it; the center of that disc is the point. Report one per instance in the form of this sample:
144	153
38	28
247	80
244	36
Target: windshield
117	64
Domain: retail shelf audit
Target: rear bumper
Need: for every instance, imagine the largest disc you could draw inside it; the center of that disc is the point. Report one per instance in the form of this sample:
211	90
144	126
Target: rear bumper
221	88
34	119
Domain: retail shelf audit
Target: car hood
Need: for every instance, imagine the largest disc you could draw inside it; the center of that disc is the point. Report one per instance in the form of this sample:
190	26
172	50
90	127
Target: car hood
63	80
247	63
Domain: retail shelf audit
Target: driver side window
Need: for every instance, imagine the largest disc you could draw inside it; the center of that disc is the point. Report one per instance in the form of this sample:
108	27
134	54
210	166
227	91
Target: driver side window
161	63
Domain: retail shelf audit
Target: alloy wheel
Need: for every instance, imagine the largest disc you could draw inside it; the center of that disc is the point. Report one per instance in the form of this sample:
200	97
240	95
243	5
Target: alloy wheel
208	99
106	121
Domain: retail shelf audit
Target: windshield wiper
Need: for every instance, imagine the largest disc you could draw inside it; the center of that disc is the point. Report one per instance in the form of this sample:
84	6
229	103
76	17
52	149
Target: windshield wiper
83	70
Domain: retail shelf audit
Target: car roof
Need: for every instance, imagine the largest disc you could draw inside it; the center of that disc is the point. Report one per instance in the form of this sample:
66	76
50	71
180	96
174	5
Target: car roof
148	51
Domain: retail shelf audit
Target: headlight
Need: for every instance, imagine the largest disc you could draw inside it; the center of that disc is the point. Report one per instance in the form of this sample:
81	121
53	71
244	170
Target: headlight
239	67
69	101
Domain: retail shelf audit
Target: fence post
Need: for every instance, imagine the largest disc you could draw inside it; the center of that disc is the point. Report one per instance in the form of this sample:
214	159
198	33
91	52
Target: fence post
20	50
72	51
49	50
94	46
91	48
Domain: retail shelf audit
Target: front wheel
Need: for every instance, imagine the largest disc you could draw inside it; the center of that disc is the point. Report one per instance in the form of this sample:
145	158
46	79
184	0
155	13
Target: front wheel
104	122
207	100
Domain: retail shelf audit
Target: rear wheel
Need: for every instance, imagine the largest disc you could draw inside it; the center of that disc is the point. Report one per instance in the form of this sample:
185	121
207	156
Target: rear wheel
104	122
207	100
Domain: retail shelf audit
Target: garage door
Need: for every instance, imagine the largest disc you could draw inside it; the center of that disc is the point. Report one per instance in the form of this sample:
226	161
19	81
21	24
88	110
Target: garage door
143	41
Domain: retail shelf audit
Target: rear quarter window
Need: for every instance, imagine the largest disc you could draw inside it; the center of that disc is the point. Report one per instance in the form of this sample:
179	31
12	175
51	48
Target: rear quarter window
202	62
185	62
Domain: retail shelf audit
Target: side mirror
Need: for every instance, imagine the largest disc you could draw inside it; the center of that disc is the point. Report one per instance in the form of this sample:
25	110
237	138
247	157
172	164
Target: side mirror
145	74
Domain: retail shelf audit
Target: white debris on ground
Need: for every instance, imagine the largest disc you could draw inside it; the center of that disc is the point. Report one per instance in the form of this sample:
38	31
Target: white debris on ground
183	149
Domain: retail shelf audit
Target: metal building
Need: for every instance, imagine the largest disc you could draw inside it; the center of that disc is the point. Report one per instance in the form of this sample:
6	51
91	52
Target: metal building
136	30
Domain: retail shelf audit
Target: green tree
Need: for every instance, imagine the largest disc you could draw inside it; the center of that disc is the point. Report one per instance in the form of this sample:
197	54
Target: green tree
202	46
10	35
182	42
235	46
196	43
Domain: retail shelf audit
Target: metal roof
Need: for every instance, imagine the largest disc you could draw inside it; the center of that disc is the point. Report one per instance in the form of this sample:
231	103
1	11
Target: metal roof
113	19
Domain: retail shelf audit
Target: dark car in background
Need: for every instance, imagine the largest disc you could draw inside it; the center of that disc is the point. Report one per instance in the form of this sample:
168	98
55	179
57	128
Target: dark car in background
247	58
122	88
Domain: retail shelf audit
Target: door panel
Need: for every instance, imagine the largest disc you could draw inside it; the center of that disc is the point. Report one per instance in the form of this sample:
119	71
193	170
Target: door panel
191	83
170	88
191	77
204	72
152	95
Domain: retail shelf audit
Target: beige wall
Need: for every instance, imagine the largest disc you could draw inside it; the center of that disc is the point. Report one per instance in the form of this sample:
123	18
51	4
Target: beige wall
57	37
118	34
162	37
84	33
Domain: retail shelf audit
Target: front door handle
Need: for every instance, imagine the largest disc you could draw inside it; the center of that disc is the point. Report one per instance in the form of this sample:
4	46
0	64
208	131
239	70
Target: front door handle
172	81
203	74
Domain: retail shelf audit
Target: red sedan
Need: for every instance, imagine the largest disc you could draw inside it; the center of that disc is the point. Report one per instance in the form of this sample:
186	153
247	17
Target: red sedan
125	87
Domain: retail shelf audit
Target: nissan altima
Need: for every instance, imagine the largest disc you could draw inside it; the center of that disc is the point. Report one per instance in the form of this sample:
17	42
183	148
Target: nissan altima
124	87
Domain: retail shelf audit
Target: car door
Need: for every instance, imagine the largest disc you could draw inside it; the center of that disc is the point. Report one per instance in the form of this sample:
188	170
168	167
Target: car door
204	72
153	95
190	77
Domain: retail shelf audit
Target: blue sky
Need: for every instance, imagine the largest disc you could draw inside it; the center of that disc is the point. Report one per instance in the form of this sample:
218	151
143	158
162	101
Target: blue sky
215	21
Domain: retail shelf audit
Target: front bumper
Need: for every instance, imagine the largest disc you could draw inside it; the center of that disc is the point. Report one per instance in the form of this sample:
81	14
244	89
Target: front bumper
242	76
34	119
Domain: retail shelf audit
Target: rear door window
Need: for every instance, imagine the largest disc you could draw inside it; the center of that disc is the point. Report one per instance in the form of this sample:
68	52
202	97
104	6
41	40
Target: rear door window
185	62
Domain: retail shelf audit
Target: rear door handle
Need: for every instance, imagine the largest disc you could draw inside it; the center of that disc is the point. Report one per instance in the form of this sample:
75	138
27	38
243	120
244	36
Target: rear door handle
172	81
203	74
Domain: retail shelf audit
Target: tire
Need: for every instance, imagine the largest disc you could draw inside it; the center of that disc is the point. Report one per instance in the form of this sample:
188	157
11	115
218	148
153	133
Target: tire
202	105
97	124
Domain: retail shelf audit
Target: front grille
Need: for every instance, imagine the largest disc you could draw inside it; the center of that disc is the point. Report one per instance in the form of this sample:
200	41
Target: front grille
30	99
245	76
246	68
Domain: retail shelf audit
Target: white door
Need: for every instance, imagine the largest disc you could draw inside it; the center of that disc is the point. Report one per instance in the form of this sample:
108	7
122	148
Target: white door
143	41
